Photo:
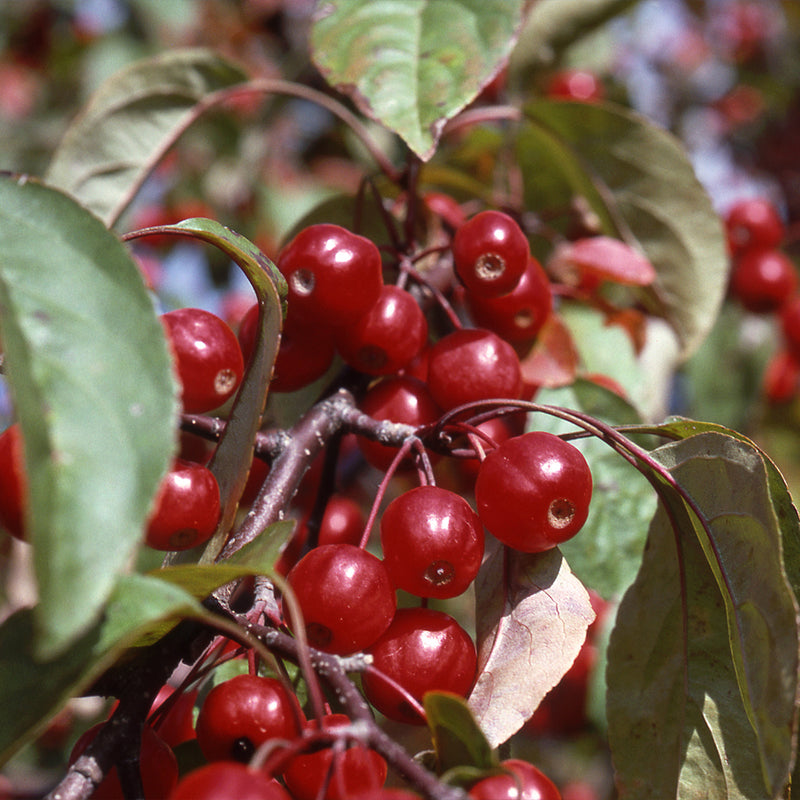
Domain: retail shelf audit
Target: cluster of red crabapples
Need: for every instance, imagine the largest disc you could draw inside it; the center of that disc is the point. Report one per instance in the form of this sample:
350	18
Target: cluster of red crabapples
765	281
532	492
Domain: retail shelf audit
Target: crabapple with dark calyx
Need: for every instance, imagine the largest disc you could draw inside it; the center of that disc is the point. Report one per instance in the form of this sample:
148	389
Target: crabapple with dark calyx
388	337
242	713
753	222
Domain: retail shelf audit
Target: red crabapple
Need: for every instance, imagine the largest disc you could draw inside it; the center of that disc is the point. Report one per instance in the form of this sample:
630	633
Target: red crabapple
423	650
471	364
334	276
533	491
432	542
243	712
207	357
490	253
346	597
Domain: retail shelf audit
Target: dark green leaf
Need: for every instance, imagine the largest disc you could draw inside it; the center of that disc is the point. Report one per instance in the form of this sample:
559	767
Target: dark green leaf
93	390
33	689
638	179
703	664
782	503
531	619
130	122
457	737
414	64
234	452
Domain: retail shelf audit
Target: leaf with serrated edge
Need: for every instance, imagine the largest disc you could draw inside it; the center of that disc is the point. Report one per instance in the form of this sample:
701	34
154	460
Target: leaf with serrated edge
91	377
532	616
406	64
111	146
644	190
702	685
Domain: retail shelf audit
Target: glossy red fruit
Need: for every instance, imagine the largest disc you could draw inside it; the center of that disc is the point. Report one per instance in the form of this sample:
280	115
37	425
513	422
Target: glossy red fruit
228	780
519	315
334	276
575	84
490	253
533	491
525	782
305	353
754	222
387	337
763	280
13	482
346	597
186	509
404	400
242	713
350	772
158	765
432	542
472	364
207	357
423	650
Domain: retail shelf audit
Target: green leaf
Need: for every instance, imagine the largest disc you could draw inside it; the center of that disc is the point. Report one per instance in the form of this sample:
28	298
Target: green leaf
231	460
33	689
457	737
607	551
638	179
257	558
782	502
551	25
93	390
414	64
532	614
703	660
130	122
